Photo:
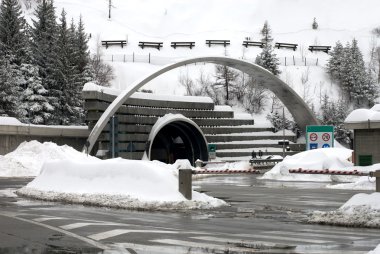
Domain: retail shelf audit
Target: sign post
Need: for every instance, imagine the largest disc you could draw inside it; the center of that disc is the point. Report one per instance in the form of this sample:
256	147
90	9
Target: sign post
319	136
211	151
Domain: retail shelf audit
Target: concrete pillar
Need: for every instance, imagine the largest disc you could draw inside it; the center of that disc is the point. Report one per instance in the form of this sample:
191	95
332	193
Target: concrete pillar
185	183
377	175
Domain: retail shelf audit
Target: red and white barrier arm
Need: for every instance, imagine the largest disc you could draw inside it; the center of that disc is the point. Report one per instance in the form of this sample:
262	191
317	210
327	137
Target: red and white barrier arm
328	172
226	171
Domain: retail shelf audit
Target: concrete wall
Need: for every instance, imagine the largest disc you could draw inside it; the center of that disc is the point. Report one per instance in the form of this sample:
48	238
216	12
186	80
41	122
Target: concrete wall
366	142
11	136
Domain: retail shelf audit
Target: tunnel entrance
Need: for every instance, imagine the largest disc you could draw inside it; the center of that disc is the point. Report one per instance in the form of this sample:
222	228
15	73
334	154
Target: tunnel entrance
178	140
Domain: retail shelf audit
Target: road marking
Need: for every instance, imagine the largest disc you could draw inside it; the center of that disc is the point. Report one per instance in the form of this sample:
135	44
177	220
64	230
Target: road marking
85	224
42	219
116	232
84	239
77	225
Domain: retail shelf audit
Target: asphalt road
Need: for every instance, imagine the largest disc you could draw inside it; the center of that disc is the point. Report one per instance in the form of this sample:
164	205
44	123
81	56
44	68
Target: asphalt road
263	217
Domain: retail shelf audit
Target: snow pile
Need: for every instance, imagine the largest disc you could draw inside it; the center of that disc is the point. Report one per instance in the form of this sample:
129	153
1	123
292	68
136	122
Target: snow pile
375	251
29	157
113	183
364	115
326	158
362	210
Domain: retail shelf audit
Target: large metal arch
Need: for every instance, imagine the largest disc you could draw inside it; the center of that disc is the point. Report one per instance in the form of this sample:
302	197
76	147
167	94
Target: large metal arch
292	101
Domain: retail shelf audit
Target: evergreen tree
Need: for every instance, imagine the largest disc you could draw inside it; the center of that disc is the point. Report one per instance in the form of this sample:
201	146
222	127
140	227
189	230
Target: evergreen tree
34	103
347	66
315	24
334	114
267	58
334	64
9	92
12	31
44	48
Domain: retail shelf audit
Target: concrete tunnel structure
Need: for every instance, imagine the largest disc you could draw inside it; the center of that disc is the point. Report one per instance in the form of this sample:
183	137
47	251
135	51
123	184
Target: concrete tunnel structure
180	136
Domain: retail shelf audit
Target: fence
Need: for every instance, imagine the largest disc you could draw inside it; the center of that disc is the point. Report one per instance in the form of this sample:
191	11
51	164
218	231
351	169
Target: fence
160	60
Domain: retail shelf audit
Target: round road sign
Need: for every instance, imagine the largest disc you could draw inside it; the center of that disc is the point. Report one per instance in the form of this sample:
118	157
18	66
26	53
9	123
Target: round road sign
313	136
326	137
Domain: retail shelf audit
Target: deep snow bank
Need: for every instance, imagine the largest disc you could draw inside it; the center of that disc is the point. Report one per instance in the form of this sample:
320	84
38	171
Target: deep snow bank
29	157
114	183
362	210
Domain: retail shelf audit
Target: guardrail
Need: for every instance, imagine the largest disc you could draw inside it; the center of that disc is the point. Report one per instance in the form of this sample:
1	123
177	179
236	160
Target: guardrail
375	174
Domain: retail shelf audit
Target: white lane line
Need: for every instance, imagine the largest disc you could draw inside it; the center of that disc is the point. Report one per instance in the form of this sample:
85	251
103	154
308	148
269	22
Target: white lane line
77	225
117	232
84	239
42	219
282	238
311	235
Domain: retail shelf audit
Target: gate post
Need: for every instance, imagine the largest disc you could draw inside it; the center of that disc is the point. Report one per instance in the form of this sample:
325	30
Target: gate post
185	183
377	175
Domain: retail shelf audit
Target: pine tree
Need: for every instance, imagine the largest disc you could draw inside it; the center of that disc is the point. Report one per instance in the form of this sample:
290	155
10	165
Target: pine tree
44	48
34	103
9	91
12	31
315	24
347	66
334	64
267	57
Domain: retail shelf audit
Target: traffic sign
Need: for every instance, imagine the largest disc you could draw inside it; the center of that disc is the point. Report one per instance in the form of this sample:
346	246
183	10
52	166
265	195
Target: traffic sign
313	136
326	137
319	136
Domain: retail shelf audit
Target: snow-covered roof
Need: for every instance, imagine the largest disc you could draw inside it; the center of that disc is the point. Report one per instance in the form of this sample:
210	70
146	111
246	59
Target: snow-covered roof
364	118
112	91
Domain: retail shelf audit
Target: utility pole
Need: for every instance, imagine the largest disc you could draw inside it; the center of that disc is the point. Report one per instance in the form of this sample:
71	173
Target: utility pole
109	8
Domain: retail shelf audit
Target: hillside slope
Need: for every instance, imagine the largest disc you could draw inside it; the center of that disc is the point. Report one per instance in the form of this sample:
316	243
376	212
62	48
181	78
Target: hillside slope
198	20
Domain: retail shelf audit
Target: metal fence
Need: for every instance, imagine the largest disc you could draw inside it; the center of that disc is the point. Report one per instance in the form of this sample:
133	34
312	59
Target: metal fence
160	60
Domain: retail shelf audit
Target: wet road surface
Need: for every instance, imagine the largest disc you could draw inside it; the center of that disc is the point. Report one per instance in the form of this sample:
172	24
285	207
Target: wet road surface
263	217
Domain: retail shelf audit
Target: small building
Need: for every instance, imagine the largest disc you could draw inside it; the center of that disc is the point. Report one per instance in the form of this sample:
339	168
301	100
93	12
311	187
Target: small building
366	136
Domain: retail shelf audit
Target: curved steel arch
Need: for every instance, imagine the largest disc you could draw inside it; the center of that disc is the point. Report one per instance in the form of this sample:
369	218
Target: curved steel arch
293	102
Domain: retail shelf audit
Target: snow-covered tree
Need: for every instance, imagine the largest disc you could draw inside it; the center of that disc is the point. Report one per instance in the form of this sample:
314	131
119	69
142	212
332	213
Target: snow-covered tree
267	57
101	72
347	66
315	24
255	96
12	31
226	78
334	113
9	91
45	50
33	101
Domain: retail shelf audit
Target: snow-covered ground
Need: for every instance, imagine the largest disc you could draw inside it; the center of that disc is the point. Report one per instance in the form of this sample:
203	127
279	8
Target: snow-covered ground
197	20
66	175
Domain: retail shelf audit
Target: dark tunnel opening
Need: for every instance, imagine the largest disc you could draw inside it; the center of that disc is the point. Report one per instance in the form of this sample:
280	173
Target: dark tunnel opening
179	140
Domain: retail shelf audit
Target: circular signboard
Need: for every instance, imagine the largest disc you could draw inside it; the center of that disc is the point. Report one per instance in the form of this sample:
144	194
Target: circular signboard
313	136
326	137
